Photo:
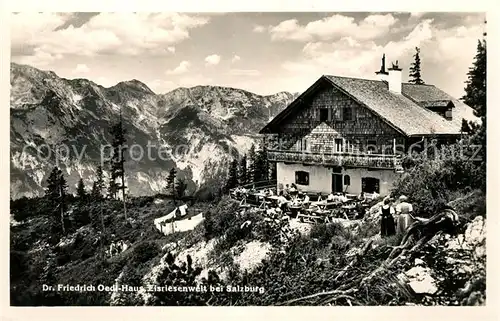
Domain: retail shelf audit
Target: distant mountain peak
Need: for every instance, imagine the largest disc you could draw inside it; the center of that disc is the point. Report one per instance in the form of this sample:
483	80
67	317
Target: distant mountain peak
134	84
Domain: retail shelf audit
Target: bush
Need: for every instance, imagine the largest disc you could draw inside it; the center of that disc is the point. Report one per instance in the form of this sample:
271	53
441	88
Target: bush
221	218
430	183
324	233
144	252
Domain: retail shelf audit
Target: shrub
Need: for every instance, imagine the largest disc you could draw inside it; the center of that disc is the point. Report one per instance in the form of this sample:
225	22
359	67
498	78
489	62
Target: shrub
325	232
219	219
145	252
431	182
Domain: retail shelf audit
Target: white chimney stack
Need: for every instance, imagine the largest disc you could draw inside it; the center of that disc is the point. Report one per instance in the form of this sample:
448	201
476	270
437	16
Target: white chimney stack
395	78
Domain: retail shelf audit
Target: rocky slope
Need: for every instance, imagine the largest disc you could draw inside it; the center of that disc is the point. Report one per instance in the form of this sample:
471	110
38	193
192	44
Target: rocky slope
194	129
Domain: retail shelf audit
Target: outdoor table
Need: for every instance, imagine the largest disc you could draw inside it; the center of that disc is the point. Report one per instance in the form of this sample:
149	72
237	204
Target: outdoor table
310	218
294	209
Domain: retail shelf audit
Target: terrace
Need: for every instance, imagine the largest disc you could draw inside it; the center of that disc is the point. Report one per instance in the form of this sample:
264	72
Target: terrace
382	161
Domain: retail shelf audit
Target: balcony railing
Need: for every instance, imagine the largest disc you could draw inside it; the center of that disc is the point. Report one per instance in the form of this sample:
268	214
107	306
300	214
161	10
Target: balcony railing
336	159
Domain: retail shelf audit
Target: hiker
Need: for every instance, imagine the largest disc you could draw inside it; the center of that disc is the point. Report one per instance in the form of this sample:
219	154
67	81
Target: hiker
387	223
404	212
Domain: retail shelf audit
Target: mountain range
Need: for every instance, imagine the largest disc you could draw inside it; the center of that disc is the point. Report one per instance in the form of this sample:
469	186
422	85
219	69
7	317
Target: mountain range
66	122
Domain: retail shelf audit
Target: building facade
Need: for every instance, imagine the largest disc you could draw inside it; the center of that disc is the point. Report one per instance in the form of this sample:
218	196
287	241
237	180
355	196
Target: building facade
350	135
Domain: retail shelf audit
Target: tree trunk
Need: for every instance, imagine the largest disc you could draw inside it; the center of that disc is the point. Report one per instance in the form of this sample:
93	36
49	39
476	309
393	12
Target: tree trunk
123	194
62	220
102	218
61	205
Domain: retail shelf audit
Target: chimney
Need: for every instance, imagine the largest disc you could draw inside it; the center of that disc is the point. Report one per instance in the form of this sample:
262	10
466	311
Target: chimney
382	74
395	78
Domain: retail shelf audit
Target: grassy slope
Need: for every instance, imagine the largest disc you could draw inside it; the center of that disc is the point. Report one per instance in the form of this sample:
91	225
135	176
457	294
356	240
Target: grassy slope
308	265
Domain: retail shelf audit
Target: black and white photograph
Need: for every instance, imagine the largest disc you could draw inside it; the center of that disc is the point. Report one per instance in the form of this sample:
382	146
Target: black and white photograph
247	159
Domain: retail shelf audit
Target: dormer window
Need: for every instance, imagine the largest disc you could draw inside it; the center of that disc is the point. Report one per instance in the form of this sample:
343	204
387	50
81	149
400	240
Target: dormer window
448	114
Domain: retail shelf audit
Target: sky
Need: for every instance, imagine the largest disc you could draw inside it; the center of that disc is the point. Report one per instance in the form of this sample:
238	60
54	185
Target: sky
263	53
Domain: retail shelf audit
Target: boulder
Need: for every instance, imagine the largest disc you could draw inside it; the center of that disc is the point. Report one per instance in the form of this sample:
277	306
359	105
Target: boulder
419	279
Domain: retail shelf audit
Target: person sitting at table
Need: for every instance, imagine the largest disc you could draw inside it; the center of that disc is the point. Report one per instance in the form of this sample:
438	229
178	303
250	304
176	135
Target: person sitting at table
330	197
343	198
293	190
306	199
282	202
362	197
319	197
271	193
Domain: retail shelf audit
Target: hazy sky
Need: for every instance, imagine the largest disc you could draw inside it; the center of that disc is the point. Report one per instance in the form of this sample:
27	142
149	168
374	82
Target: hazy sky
260	52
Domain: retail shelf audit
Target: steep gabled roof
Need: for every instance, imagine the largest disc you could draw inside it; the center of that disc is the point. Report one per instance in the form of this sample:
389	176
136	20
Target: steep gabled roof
398	110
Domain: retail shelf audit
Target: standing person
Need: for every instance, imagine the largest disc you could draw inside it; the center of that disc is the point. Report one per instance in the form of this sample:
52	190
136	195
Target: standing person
404	211
387	224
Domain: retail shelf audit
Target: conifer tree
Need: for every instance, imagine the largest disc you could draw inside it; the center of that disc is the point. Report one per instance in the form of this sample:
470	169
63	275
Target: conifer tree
117	162
80	190
475	90
243	170
171	183
415	71
180	187
475	97
98	185
251	165
232	180
57	190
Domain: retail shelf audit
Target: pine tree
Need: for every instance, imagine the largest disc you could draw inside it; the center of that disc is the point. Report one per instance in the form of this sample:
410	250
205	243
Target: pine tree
57	190
232	180
251	165
180	187
52	191
475	90
117	162
98	185
415	76
475	96
171	183
263	162
243	170
80	190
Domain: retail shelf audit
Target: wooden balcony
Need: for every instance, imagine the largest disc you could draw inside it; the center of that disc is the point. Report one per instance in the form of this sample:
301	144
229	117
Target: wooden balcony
336	159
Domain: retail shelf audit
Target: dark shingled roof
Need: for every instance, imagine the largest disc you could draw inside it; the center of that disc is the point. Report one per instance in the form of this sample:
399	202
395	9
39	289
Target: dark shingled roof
402	111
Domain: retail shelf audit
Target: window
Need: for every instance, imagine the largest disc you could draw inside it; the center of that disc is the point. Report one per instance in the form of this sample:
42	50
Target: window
302	178
338	145
448	114
336	114
323	114
347	113
370	185
347	180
